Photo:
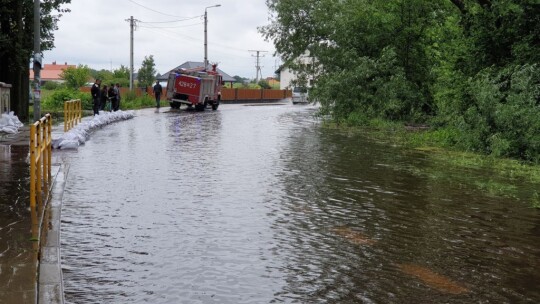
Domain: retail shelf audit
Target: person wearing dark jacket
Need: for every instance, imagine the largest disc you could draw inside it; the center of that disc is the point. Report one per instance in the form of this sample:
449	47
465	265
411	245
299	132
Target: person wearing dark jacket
157	93
96	96
118	97
113	96
104	98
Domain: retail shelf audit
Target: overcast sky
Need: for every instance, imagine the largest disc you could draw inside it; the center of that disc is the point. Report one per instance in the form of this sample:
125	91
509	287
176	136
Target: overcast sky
96	33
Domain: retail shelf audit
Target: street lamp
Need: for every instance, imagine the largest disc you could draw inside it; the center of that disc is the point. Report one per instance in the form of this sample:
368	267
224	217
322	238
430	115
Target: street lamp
206	35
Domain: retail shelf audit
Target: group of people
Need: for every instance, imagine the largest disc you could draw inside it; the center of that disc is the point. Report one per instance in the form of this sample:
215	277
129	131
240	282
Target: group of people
105	96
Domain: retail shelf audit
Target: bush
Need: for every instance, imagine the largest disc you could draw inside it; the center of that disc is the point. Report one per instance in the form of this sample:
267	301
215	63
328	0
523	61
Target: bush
264	84
503	116
137	102
375	87
55	101
51	85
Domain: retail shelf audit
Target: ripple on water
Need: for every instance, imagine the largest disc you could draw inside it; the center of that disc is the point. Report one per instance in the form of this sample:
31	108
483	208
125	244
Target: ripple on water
258	205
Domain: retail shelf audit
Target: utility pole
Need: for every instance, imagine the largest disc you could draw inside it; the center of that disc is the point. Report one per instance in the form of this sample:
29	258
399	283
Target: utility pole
258	65
37	61
206	35
132	24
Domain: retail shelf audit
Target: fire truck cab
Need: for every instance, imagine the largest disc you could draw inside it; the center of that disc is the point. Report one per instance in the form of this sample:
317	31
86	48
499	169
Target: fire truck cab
195	88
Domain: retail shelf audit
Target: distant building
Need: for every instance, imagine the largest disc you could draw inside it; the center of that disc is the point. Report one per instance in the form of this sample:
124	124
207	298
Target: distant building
51	72
194	64
288	77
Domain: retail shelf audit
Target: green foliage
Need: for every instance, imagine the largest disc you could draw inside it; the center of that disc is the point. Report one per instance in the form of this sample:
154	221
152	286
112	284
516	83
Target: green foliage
131	102
147	72
535	200
120	76
104	75
121	73
51	85
469	68
264	84
504	112
76	77
129	96
55	101
16	44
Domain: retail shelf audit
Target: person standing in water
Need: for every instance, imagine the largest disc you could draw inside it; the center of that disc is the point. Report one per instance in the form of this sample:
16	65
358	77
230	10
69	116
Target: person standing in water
157	93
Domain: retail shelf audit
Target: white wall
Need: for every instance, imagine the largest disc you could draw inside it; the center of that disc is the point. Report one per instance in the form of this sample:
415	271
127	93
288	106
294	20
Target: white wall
286	76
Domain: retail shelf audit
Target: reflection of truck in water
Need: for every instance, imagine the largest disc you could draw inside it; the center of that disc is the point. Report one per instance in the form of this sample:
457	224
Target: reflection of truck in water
299	95
195	88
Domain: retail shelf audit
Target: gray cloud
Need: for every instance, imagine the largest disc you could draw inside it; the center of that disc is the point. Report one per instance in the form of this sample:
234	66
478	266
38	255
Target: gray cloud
96	33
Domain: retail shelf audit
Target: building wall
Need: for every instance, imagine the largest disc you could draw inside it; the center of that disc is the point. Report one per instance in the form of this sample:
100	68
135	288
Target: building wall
286	75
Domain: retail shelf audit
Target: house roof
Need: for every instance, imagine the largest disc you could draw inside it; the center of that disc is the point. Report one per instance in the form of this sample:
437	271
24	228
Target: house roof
192	65
52	71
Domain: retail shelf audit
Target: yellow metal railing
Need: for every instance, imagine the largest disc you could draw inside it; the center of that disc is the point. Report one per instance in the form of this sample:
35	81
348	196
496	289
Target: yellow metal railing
72	113
40	160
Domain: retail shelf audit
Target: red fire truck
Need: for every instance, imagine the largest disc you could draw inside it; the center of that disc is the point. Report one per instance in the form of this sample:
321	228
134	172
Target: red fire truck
195	88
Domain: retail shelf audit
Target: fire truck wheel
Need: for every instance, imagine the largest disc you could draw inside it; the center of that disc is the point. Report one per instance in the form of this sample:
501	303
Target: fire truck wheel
215	105
175	105
200	107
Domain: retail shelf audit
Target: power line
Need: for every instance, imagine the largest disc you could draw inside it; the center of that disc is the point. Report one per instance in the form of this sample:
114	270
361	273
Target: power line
168	27
153	10
172	21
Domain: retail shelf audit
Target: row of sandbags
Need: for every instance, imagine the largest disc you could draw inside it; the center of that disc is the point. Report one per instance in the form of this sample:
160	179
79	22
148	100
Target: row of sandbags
80	133
10	123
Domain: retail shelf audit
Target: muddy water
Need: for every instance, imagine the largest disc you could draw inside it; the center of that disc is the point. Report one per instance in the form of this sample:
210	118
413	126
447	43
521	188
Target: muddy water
262	205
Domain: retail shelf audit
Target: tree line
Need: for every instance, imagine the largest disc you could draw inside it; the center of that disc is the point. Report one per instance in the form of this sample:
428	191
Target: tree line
17	44
468	68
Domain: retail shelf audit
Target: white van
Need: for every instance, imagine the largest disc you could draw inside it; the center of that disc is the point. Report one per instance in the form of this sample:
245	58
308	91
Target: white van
299	95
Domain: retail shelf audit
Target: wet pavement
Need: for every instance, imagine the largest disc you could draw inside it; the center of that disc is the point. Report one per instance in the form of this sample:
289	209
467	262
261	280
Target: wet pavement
18	244
262	205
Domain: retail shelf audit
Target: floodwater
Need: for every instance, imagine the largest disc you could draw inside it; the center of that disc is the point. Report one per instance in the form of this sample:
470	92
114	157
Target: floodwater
18	253
260	204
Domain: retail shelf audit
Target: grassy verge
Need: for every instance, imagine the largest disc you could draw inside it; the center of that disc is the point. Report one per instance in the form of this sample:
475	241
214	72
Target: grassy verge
53	102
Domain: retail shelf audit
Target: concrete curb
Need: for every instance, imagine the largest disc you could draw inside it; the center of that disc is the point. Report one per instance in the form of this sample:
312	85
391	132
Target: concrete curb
50	281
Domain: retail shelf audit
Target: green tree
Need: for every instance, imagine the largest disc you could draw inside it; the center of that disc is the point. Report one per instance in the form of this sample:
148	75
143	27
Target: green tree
105	75
122	72
355	44
147	72
264	84
16	44
76	77
467	65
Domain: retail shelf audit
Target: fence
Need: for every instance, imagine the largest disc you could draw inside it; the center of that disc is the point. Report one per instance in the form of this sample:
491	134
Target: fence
72	113
40	160
253	94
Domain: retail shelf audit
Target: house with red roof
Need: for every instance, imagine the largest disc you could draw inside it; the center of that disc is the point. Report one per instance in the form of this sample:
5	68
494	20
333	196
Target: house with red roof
51	72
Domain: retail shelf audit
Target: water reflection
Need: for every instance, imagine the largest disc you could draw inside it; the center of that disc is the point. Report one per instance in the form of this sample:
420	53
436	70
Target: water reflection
18	253
369	212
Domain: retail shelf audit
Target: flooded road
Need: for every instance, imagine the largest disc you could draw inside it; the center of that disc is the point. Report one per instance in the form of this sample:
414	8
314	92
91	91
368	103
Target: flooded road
259	204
